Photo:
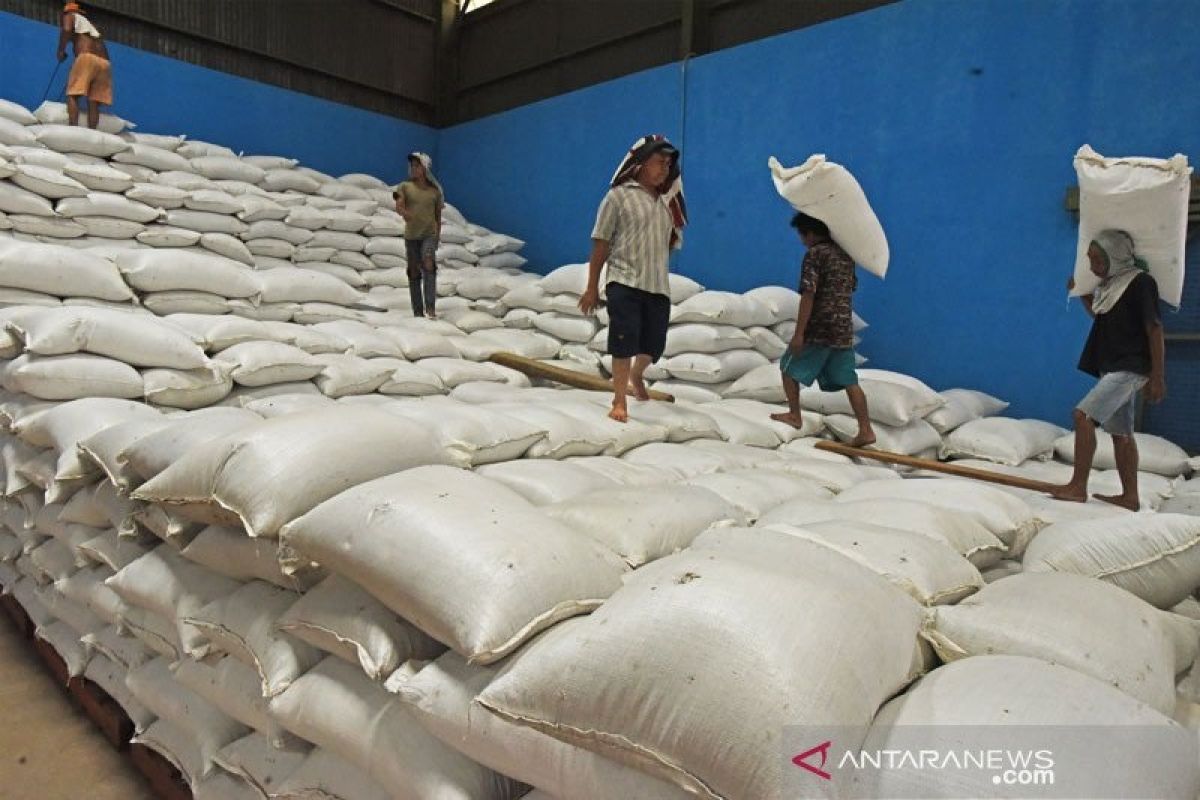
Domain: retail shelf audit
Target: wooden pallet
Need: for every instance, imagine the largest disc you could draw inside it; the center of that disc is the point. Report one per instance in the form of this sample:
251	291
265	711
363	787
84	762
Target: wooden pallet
14	611
166	782
103	711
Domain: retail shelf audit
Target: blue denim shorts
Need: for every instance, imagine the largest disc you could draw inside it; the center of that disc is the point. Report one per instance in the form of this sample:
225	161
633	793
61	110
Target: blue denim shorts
1113	401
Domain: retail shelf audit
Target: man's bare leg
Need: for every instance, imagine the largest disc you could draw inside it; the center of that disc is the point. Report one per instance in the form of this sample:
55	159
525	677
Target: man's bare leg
858	402
93	114
637	384
1125	449
791	389
1085	451
73	110
620	369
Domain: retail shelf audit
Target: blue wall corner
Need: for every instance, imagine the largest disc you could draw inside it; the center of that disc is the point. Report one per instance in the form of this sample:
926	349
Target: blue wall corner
960	119
163	95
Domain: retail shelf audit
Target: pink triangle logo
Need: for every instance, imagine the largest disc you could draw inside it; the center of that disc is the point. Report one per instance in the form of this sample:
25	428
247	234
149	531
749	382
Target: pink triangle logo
802	760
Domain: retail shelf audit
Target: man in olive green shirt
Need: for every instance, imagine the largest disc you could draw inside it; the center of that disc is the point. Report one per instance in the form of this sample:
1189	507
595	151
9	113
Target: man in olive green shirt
420	200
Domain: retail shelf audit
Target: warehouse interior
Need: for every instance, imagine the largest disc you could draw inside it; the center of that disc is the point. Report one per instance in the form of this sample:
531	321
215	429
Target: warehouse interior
319	608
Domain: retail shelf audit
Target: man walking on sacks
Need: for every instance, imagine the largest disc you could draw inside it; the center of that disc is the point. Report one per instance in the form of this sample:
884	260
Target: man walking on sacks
639	223
91	74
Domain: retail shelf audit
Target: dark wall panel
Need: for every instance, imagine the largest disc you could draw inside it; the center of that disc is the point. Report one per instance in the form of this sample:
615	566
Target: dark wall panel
375	54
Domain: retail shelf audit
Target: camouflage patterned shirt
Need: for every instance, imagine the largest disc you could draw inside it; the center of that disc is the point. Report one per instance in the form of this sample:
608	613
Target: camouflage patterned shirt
828	272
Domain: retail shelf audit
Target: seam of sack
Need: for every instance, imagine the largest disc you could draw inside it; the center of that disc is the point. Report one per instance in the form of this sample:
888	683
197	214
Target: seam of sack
1157	557
612	740
555	614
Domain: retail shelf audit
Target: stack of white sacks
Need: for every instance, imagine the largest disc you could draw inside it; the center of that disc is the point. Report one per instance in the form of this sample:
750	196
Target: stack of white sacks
242	517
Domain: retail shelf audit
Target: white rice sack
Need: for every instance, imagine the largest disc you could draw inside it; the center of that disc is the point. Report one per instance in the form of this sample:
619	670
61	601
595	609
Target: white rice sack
916	438
215	201
15	112
337	707
713	368
233	688
544	482
645	524
106	204
1099	630
153	685
242	624
761	383
343	375
1002	440
1152	556
184	302
274	229
15	133
155	158
1146	197
304	286
158	271
784	303
828	192
15	200
164	583
441	697
235	555
409	380
892	398
966	536
977	692
156	195
524	343
99	178
703	338
340	618
325	774
110	227
255	209
724	308
221	168
413	512
228	246
53	113
267	363
46	229
754	492
963	406
188	181
77	139
136	339
47	182
337	240
723	600
473	434
569	279
242	478
205	221
286	179
928	570
1155	454
270	248
71	377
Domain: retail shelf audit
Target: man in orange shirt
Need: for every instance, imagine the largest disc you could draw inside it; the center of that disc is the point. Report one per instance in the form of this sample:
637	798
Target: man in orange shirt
91	74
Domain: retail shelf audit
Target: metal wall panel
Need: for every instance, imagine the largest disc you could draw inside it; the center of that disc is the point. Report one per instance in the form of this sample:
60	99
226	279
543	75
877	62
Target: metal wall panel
376	54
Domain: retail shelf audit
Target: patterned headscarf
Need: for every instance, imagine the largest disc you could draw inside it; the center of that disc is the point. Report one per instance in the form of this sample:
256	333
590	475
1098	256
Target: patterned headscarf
671	190
1123	267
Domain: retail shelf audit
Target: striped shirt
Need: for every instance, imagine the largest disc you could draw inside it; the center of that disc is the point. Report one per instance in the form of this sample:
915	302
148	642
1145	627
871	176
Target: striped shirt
637	225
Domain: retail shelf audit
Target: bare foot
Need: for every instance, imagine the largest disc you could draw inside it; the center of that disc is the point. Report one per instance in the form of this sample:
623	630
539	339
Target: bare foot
862	440
1069	493
637	387
431	314
788	418
1131	503
619	413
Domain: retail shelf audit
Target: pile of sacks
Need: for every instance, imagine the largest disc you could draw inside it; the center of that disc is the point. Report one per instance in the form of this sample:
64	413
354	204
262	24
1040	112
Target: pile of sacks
338	555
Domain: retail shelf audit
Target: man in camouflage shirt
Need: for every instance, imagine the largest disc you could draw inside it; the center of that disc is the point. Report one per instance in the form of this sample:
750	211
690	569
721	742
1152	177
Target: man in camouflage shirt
822	348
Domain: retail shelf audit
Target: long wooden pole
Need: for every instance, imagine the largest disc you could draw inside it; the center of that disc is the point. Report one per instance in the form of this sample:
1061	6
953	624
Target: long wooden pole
936	466
538	369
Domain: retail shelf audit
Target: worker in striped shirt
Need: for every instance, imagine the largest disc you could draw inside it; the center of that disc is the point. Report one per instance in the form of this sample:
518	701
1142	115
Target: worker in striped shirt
640	221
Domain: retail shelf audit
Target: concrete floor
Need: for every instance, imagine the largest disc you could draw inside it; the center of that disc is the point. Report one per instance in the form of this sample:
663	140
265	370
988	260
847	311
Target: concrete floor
48	749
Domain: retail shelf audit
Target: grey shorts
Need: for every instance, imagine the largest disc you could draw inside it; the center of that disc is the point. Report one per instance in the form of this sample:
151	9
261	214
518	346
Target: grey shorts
1112	401
418	250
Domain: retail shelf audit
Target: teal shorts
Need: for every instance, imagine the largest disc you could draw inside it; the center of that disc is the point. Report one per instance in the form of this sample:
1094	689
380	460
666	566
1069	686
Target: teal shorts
831	367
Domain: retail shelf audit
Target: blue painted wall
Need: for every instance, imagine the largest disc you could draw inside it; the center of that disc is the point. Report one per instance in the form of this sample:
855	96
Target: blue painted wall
163	95
959	118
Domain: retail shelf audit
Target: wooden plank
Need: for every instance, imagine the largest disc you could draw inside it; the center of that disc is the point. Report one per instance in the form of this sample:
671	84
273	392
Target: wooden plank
936	466
538	369
53	661
103	711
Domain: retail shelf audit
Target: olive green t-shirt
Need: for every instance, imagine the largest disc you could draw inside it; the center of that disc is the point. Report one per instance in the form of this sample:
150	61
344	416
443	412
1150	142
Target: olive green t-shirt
423	205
